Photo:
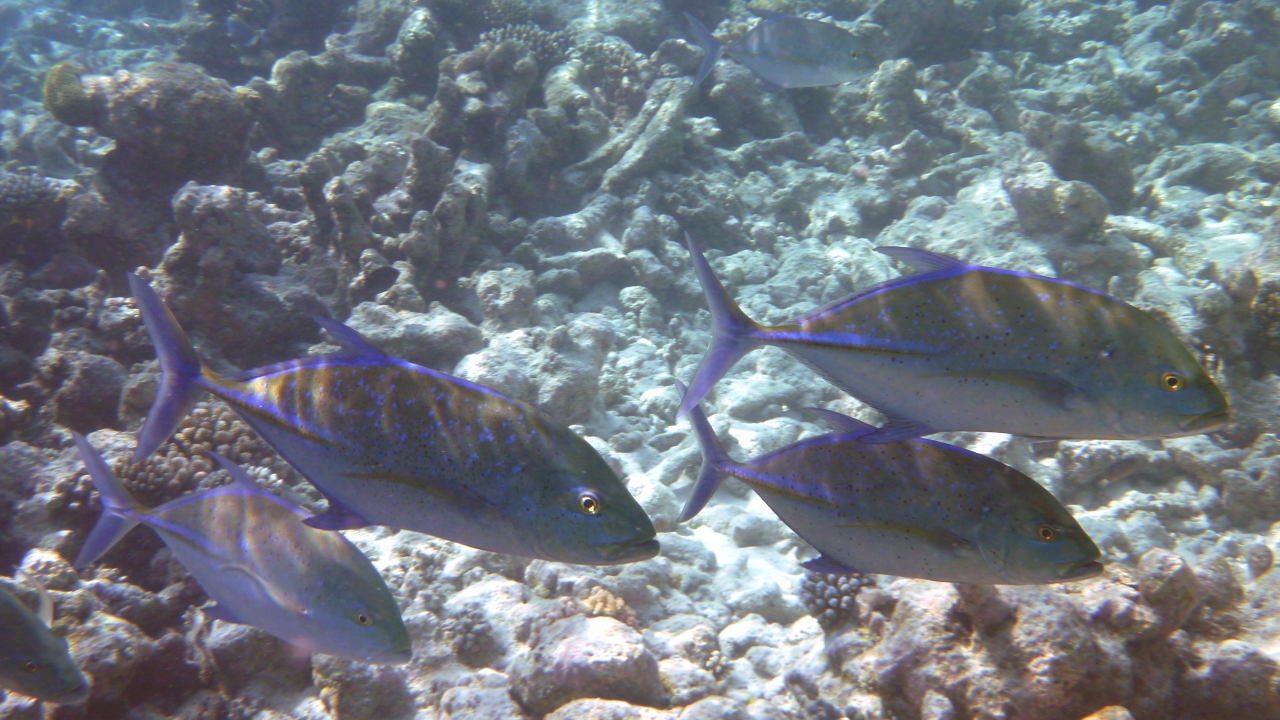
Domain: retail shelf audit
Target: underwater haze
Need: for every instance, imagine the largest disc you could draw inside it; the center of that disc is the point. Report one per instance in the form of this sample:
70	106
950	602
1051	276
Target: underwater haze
438	252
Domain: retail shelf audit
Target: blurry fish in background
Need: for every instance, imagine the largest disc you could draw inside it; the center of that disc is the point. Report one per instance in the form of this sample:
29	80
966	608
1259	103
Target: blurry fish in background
261	564
241	32
917	508
391	443
34	661
11	16
789	52
966	347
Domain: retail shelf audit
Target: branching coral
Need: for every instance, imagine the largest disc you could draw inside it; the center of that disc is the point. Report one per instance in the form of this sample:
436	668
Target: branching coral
548	48
471	638
832	599
183	464
484	13
599	601
616	75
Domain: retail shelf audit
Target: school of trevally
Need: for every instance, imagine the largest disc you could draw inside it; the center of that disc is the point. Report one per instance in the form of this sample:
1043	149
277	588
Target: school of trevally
639	359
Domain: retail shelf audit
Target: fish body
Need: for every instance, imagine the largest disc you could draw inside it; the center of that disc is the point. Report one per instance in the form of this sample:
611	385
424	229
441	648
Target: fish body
915	508
788	52
254	555
392	443
34	661
241	32
967	347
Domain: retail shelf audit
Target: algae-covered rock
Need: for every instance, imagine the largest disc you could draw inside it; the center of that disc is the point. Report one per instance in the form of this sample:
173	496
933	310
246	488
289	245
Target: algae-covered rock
587	657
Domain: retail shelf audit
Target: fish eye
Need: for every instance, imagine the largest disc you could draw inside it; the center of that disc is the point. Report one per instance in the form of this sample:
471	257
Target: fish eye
32	666
1171	381
853	54
1047	532
363	619
589	503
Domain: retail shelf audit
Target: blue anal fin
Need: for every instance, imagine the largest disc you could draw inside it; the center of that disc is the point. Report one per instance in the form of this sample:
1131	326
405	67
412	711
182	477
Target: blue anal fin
824	564
336	518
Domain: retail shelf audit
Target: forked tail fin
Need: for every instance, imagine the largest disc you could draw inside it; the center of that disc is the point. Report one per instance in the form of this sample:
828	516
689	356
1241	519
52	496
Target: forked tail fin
714	459
712	47
180	370
732	334
116	505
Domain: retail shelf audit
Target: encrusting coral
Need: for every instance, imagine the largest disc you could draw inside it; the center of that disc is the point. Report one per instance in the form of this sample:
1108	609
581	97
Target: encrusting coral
549	48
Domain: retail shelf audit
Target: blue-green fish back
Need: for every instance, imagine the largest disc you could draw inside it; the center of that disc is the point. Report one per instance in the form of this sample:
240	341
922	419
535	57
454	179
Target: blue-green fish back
965	347
915	508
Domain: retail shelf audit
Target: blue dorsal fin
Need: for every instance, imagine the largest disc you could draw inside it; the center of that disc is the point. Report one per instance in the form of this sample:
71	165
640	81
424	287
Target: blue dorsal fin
897	428
237	473
842	422
922	260
824	564
351	341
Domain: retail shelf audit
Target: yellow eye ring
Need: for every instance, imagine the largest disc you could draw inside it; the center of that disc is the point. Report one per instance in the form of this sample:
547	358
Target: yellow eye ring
363	620
1172	382
1047	533
31	666
589	503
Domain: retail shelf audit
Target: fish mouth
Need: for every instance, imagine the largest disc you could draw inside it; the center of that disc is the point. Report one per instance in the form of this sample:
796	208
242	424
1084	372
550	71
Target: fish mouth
1079	570
394	656
1205	422
630	550
75	695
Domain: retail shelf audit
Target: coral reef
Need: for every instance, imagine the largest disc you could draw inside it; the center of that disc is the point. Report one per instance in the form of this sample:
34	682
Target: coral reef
500	190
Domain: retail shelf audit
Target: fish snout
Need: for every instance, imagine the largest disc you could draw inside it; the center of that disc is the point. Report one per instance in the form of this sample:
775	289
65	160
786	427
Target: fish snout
630	550
1205	422
75	695
1079	570
398	655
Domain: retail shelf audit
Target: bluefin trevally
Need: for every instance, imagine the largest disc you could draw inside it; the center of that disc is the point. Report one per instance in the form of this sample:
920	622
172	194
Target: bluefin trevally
261	564
391	443
789	52
34	661
915	508
966	347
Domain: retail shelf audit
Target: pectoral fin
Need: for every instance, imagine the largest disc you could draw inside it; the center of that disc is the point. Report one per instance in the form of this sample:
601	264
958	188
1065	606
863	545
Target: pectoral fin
895	430
824	564
45	611
336	518
451	494
1048	388
277	595
218	612
842	423
922	261
353	343
939	538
